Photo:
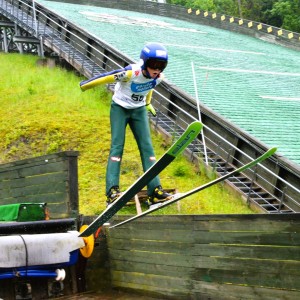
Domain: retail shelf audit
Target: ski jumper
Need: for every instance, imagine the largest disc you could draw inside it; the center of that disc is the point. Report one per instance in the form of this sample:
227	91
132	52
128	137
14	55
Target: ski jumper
132	92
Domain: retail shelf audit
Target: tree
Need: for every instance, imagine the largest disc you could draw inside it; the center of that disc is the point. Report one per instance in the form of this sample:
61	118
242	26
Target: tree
287	14
177	2
207	5
228	7
280	13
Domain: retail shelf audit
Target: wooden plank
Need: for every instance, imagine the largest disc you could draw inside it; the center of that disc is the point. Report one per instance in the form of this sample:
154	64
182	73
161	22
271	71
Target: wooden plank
245	277
150	234
47	168
9	175
216	217
73	183
33	171
222	226
236	251
178	260
97	267
248	251
32	190
189	236
252	222
249	238
34	180
151	246
255	225
137	205
174	219
255	255
51	198
152	268
152	281
174	223
34	161
31	163
245	217
216	291
172	293
283	268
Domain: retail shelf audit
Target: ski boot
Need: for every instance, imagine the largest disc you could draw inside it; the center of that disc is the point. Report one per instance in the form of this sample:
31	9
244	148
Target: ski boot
113	194
158	195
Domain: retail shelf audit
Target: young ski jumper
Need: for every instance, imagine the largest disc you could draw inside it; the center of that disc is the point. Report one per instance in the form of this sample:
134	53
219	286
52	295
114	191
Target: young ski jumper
130	102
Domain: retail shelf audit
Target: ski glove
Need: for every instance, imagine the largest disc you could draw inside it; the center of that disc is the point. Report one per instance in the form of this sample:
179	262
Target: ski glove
150	108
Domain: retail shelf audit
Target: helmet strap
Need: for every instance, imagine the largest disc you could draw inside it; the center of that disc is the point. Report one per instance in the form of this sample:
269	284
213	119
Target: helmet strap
146	73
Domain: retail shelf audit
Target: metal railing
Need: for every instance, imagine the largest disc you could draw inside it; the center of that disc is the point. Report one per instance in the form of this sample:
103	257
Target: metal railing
273	186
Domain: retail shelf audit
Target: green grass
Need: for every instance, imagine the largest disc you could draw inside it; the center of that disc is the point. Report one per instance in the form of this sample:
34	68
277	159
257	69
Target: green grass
43	111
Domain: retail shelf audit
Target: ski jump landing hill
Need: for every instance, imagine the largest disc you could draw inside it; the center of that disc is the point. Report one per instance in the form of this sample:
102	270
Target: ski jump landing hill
176	257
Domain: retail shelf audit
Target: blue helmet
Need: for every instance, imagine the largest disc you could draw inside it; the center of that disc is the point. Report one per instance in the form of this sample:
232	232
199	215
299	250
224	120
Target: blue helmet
154	56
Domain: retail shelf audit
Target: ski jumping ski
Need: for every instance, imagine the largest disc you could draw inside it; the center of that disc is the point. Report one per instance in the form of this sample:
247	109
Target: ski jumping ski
177	148
181	196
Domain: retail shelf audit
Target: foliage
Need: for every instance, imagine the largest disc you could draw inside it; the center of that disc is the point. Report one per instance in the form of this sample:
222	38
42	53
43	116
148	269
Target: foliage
280	13
287	13
43	111
222	6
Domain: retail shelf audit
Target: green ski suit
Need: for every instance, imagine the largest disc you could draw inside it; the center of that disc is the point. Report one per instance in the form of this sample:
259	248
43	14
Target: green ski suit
133	92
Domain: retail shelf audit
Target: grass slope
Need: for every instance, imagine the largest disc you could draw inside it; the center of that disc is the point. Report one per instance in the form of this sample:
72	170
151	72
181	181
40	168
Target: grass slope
43	111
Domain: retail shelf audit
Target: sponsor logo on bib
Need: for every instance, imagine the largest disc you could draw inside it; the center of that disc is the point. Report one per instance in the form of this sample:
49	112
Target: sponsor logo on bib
142	87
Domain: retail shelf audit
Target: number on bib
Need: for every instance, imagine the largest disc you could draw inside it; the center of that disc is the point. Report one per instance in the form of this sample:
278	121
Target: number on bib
137	98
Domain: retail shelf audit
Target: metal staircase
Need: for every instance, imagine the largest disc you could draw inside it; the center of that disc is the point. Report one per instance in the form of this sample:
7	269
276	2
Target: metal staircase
49	37
254	194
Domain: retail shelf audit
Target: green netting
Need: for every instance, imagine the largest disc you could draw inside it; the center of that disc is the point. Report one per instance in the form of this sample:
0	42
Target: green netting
252	83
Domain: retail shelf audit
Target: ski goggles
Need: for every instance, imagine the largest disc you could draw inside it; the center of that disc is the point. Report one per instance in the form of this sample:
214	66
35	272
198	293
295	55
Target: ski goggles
156	64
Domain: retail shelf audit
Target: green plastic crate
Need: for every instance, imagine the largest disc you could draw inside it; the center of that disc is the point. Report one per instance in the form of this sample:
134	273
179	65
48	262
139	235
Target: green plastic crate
23	212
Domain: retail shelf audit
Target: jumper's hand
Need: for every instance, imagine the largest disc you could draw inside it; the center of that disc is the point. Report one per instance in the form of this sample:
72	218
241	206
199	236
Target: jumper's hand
150	108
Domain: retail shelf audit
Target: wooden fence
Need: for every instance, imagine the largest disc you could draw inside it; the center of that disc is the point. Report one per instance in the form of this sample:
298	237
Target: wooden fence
50	179
253	256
